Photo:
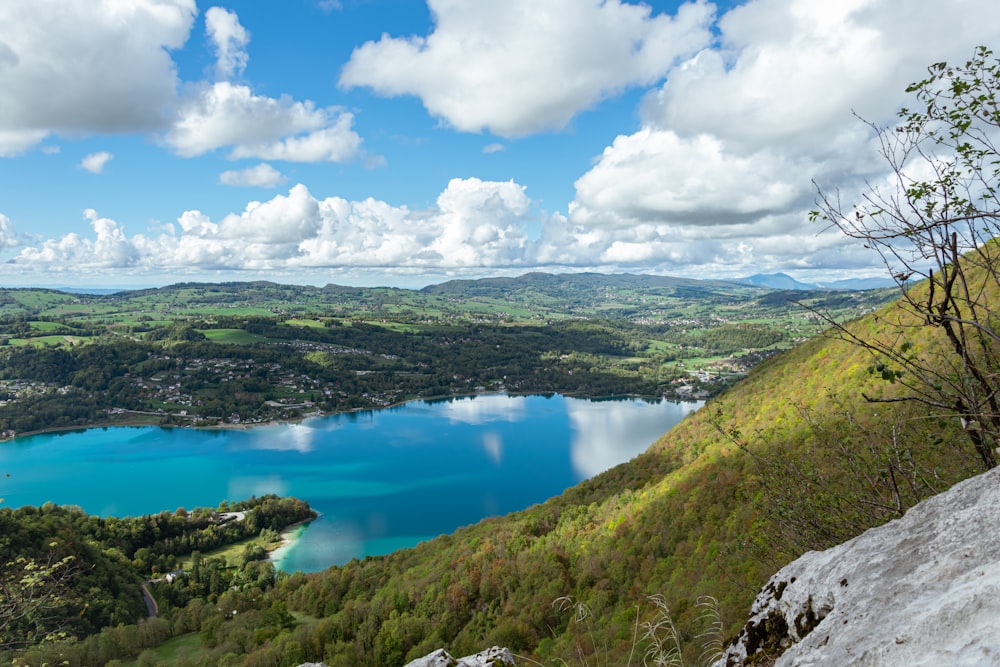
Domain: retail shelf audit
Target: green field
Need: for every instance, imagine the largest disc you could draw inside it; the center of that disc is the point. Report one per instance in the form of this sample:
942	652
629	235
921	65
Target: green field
232	336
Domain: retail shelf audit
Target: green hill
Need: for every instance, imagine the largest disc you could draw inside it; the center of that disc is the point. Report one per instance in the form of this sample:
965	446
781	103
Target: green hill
792	458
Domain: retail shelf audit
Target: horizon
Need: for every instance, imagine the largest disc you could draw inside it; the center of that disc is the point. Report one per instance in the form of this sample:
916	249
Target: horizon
97	289
371	144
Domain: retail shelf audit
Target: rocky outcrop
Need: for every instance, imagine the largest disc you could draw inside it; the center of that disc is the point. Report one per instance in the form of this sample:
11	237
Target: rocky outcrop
923	589
492	657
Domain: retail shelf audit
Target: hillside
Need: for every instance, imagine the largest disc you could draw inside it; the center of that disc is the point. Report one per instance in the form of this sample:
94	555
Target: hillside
70	360
714	507
533	297
695	515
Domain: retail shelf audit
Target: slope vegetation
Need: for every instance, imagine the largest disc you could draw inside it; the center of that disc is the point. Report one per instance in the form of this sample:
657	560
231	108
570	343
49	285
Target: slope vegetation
793	458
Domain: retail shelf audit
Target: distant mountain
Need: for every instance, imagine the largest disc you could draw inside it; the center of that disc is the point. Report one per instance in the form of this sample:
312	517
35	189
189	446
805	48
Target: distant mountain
783	281
860	283
555	284
89	290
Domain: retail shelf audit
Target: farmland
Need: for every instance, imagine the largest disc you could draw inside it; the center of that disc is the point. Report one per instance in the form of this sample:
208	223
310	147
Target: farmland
245	353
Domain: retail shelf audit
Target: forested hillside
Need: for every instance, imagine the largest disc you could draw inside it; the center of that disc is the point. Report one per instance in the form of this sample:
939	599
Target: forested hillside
696	515
712	509
246	353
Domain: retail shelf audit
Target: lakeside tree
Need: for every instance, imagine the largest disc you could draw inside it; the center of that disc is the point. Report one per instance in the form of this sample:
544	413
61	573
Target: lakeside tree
935	224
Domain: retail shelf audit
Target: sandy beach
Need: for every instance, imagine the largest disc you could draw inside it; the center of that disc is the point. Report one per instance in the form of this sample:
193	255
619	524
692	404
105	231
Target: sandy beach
289	537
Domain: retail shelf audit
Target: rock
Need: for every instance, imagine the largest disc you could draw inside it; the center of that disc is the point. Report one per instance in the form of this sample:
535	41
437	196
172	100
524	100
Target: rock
923	589
492	657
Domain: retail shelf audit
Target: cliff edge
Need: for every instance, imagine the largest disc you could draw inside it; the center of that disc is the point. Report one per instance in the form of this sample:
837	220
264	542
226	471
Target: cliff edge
923	589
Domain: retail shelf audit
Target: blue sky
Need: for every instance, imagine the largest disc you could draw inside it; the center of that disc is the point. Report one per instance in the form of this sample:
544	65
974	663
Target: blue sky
396	142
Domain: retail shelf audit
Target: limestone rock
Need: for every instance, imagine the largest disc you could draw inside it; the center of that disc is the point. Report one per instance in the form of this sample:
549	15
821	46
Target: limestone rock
492	657
923	589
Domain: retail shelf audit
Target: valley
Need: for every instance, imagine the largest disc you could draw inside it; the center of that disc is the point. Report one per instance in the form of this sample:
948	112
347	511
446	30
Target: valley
240	354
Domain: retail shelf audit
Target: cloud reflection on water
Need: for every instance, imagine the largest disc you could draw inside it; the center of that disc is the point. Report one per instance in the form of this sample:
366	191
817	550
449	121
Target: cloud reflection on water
608	433
284	438
493	446
485	408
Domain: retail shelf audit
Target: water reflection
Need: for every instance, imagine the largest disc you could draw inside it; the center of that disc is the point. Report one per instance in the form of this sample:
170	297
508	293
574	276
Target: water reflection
493	446
606	433
485	408
299	437
381	480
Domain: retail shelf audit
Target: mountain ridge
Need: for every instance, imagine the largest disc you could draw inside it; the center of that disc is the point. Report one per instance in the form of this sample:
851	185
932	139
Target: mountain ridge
783	281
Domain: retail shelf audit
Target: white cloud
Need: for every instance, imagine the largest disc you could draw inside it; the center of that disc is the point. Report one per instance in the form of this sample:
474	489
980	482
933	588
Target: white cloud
229	39
78	67
721	175
715	179
281	220
15	142
261	176
516	67
494	148
95	162
657	175
7	236
336	143
475	224
226	114
109	248
57	58
476	227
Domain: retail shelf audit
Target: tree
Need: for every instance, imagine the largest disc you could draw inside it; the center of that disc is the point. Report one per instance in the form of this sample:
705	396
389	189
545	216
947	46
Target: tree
938	223
36	602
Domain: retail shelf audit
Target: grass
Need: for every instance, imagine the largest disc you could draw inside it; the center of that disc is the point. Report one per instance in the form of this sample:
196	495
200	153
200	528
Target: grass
48	341
172	651
233	336
660	644
232	552
298	322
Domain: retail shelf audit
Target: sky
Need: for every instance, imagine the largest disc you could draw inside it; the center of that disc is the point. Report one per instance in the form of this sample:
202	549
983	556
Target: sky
405	143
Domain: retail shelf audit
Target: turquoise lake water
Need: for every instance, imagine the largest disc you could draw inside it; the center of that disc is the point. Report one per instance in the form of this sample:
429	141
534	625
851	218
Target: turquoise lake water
382	480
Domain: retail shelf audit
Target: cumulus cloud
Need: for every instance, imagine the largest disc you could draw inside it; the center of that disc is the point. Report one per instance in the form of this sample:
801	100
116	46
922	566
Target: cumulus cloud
229	115
15	142
226	114
724	169
715	177
516	67
475	224
95	162
7	236
55	60
76	67
230	39
261	176
475	227
109	248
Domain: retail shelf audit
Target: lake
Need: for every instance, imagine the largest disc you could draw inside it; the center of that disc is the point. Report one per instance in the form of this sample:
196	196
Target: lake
382	480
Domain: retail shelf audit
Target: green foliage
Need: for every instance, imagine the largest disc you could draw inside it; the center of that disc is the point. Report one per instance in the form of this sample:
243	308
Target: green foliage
938	224
206	354
87	575
682	520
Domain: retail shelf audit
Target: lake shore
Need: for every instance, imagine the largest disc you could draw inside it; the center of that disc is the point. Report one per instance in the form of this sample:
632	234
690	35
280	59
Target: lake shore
289	537
144	418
